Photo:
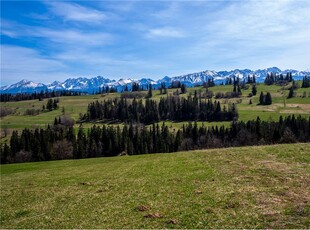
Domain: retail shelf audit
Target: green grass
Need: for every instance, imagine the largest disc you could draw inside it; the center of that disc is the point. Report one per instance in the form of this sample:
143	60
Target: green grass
248	187
76	105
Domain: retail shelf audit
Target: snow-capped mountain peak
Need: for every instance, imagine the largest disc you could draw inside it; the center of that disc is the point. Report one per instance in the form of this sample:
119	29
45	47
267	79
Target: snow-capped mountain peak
90	85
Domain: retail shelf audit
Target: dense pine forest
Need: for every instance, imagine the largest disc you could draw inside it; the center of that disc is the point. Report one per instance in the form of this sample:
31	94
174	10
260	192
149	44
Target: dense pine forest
60	142
5	97
174	108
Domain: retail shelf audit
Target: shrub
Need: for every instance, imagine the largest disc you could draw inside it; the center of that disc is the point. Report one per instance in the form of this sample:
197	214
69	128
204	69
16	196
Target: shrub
6	111
62	150
134	94
32	112
22	156
67	121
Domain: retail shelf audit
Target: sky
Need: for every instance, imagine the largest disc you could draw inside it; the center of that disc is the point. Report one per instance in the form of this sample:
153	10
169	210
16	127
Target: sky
50	40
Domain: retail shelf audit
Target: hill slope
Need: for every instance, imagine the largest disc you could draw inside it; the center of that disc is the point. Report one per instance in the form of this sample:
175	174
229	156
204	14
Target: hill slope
250	187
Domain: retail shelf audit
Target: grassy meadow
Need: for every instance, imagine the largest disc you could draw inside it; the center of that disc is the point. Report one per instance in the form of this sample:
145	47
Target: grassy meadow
245	187
76	105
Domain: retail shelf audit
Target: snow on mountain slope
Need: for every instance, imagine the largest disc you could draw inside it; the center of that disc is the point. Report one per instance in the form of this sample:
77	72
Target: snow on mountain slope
23	86
196	78
90	85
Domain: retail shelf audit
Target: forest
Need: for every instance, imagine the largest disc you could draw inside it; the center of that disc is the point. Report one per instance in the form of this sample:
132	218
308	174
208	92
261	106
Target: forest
174	108
60	142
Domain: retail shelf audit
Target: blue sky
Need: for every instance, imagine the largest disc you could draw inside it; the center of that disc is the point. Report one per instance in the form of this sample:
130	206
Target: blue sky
51	40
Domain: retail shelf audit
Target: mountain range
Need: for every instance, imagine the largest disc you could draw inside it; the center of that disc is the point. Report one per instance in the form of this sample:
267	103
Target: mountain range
91	85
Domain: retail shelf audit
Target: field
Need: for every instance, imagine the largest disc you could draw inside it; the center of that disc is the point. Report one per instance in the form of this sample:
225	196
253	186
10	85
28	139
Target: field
248	187
74	106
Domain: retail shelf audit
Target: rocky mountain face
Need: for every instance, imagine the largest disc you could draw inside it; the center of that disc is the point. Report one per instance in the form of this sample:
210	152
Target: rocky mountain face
91	85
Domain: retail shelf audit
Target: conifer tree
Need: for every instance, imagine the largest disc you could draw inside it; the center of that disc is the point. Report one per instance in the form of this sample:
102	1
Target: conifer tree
150	92
5	153
239	90
261	98
49	104
268	99
55	105
14	143
291	93
254	90
235	88
183	88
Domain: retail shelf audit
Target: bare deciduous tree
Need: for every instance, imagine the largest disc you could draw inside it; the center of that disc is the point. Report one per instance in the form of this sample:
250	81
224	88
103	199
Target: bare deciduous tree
62	150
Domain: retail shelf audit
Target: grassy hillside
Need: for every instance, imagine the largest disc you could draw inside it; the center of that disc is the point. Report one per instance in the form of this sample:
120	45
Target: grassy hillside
73	106
249	187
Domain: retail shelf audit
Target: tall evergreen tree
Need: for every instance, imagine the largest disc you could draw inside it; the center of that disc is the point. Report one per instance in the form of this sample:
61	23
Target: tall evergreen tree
5	153
291	93
49	104
261	98
150	92
55	104
268	99
14	143
254	90
183	88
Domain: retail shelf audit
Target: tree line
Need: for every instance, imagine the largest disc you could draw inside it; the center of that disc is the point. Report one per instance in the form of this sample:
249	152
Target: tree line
234	80
273	78
61	142
172	108
37	96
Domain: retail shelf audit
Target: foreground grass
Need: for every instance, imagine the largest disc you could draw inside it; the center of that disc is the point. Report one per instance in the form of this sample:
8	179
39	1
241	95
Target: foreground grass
249	187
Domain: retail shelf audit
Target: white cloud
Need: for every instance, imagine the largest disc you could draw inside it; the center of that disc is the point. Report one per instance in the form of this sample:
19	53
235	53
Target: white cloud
251	34
118	6
76	12
24	63
72	37
170	10
258	19
99	63
165	32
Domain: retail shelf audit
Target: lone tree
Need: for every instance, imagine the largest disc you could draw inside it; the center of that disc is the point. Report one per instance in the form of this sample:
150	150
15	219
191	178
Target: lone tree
150	93
265	99
291	93
254	90
183	88
50	104
268	99
261	98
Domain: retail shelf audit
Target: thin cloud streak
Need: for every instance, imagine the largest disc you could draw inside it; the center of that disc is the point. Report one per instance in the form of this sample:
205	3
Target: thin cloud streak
23	63
167	32
265	30
63	36
76	12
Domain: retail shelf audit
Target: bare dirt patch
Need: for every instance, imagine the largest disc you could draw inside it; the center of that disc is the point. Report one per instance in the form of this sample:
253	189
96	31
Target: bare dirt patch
172	221
154	215
302	106
295	111
276	166
142	208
